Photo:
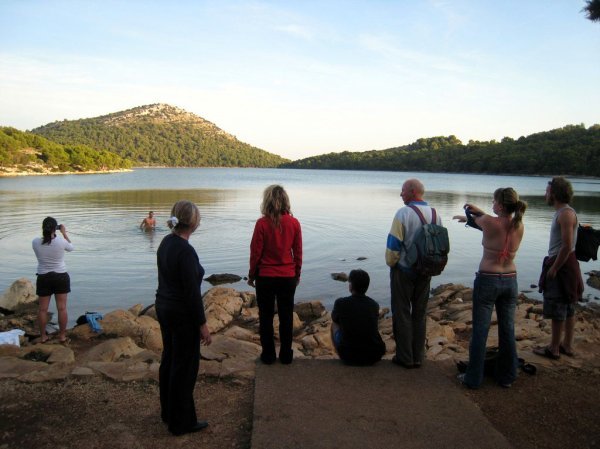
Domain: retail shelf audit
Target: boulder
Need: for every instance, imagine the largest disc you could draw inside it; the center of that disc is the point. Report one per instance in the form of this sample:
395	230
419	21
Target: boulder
594	281
54	353
24	320
249	315
126	371
56	371
20	293
150	336
249	299
112	350
309	311
150	311
82	372
298	325
222	305
224	347
14	367
240	333
121	323
225	278
136	310
227	298
342	277
238	367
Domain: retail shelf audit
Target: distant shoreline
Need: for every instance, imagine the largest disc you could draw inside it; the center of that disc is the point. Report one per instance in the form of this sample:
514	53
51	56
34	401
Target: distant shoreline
13	174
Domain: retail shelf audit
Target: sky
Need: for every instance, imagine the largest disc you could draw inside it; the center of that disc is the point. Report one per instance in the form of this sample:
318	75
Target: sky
301	78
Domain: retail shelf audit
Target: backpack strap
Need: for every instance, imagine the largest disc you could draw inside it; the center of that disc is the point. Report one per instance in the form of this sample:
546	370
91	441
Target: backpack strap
420	214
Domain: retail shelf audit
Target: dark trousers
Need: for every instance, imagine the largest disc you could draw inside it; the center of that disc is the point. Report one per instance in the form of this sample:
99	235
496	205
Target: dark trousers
409	314
178	368
282	290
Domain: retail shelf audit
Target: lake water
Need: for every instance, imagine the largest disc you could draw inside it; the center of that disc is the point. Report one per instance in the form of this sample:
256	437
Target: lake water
344	215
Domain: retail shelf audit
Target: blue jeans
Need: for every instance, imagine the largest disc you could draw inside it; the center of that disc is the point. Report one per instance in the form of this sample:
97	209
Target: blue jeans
491	290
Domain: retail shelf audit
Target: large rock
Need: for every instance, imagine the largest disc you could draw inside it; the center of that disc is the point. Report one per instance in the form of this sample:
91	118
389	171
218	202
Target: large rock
53	353
222	305
127	371
224	347
20	293
594	281
14	367
112	350
309	311
143	329
224	278
56	371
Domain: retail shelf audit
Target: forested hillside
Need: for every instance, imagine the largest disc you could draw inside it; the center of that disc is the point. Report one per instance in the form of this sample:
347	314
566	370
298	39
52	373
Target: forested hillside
27	152
572	150
158	135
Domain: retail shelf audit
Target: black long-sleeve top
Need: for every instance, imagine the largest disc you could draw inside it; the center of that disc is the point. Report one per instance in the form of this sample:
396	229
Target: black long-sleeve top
179	277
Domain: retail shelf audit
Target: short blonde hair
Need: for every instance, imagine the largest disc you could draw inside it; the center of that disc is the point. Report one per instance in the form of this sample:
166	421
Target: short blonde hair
187	215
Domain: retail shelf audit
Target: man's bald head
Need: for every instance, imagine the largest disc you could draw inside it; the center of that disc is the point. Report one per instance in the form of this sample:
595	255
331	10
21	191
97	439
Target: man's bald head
412	190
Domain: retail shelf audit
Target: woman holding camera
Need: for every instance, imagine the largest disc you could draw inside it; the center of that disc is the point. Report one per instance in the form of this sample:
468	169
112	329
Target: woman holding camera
52	276
495	285
180	312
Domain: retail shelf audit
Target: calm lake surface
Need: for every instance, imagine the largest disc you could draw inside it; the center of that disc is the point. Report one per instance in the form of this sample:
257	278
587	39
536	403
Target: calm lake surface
344	215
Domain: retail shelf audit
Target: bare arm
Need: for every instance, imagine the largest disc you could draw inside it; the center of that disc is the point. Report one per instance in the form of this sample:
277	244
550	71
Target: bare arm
63	231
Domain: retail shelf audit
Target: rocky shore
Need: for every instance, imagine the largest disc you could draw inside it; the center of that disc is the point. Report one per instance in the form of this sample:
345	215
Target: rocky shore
129	346
41	170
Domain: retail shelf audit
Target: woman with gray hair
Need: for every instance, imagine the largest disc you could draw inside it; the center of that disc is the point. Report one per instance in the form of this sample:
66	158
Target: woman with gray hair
180	312
275	265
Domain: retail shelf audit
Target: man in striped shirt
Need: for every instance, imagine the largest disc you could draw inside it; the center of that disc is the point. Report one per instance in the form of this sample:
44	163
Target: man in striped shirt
410	290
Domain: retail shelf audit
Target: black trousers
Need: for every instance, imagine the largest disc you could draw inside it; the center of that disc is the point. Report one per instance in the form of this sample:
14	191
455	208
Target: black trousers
178	368
282	290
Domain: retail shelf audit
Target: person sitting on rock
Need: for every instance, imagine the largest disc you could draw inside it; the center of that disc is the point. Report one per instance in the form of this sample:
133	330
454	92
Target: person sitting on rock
354	327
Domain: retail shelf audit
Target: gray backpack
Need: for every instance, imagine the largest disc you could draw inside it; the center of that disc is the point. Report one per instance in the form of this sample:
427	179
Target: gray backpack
431	244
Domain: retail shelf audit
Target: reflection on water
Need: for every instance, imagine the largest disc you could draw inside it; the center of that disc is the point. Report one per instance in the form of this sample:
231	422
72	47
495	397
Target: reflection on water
344	216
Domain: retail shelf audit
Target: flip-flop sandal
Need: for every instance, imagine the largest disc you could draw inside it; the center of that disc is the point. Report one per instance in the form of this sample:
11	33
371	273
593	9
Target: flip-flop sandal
546	352
565	352
65	342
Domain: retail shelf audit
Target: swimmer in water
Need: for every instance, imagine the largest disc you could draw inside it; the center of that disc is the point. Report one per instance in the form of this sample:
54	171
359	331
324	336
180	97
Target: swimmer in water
148	223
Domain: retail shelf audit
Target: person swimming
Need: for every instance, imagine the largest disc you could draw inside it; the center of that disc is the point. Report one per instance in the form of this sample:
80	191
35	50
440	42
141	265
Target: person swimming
149	222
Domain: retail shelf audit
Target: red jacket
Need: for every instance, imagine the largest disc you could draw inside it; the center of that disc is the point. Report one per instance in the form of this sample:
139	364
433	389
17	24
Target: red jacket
276	252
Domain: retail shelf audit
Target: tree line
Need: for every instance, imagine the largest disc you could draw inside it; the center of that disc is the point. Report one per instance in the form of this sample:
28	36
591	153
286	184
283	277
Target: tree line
27	151
571	150
152	143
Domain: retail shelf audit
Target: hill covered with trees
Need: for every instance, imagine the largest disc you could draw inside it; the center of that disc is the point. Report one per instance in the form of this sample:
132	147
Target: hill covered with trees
160	135
27	152
572	150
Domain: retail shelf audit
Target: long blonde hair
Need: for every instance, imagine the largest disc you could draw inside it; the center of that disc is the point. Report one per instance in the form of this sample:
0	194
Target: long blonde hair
275	203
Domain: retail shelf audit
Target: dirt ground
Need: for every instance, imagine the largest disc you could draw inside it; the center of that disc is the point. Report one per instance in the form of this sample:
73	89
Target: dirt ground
556	408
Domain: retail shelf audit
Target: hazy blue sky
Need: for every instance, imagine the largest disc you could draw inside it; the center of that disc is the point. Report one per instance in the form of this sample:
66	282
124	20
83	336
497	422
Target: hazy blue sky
299	78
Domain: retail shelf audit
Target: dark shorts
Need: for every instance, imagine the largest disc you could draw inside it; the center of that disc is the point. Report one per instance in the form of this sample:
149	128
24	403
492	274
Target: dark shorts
337	338
557	309
52	283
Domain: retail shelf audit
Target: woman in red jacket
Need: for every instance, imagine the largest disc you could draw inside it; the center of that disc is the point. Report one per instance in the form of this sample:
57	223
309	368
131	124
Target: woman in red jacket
275	264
